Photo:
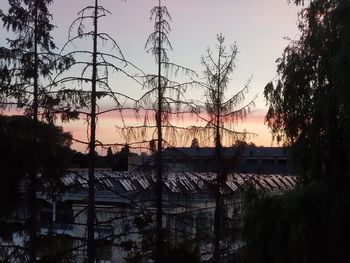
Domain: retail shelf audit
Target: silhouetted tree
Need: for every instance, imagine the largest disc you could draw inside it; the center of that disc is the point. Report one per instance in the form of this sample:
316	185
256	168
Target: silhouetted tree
194	143
307	104
110	157
152	146
163	99
143	248
94	67
122	158
53	156
29	61
222	115
243	143
157	44
25	69
309	111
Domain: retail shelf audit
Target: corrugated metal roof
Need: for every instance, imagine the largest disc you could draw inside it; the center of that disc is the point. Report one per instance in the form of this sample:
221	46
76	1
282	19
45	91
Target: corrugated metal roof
177	182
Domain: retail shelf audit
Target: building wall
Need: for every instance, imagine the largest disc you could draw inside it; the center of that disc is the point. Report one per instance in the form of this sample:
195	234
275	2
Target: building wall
189	205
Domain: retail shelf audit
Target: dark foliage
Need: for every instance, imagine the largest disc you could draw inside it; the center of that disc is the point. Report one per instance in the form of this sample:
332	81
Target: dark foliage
308	106
27	64
309	110
309	224
144	249
16	147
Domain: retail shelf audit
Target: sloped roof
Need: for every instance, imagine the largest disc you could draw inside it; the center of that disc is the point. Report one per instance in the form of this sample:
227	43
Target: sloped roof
175	182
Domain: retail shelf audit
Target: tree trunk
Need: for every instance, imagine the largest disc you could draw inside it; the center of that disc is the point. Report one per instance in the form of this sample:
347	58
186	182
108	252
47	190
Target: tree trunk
159	184
91	181
33	182
218	152
218	207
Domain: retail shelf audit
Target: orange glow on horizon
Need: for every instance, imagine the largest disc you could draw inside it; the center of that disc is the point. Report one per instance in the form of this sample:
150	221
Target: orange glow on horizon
107	127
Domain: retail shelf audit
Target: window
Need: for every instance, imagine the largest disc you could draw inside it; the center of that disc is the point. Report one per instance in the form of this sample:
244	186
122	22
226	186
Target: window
168	160
282	161
268	161
252	161
64	213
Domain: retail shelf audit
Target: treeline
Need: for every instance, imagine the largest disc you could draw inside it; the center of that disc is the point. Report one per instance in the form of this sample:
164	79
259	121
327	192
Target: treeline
115	161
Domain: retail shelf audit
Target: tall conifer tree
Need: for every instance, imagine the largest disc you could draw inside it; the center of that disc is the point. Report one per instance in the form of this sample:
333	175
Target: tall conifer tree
26	66
222	115
90	87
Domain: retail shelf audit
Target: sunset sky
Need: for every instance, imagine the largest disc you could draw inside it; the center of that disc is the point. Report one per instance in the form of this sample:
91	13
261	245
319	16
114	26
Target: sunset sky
259	29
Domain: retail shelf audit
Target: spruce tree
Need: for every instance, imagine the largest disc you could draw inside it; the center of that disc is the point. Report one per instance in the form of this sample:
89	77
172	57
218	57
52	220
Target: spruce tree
166	98
90	87
222	115
26	66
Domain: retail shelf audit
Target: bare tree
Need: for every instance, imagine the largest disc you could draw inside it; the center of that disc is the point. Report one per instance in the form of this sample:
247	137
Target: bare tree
157	44
95	67
164	99
222	115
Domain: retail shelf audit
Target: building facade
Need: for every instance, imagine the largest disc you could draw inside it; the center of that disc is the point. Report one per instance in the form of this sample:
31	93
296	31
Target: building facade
125	198
248	159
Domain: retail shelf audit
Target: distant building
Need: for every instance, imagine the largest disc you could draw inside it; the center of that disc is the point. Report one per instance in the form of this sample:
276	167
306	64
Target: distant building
249	159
